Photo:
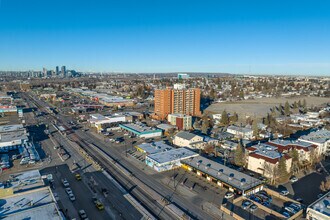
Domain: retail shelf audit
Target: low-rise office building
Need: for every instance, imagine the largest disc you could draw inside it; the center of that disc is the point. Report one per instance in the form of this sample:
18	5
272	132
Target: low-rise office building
141	130
181	121
168	160
223	176
100	122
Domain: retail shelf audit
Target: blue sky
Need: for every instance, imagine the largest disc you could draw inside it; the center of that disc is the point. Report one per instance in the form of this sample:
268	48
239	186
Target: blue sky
275	37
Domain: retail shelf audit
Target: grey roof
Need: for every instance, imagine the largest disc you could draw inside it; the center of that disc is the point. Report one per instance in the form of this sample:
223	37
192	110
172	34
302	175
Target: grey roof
11	128
18	206
225	174
267	150
320	136
186	135
172	155
154	147
239	129
290	142
322	205
165	126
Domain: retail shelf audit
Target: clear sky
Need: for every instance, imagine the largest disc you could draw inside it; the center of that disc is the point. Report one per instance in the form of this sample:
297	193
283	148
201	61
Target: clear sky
247	36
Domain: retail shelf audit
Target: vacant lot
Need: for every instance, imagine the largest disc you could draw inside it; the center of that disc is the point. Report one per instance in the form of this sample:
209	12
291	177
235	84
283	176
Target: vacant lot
259	107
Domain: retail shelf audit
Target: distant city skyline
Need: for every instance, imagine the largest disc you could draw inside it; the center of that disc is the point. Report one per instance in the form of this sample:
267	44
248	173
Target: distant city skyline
241	37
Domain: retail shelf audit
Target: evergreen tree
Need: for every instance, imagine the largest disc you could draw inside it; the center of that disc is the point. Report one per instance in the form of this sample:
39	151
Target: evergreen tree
224	118
205	125
299	103
241	94
282	169
304	103
255	129
239	155
287	108
235	117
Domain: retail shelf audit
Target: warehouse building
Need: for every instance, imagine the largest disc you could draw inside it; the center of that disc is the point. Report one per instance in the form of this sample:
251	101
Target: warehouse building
223	176
141	130
169	160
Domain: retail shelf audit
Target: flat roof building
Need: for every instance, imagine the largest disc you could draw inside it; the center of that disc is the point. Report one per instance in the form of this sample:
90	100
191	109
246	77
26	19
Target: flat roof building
141	130
153	148
224	176
168	160
33	205
182	121
321	138
320	209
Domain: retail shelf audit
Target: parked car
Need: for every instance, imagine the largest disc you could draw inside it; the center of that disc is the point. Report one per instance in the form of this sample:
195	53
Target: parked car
56	196
82	214
246	204
78	177
99	205
253	207
284	192
286	214
229	195
65	183
290	210
293	179
72	197
68	190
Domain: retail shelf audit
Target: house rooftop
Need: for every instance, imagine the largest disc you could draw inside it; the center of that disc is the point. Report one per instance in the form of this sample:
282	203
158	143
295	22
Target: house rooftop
186	135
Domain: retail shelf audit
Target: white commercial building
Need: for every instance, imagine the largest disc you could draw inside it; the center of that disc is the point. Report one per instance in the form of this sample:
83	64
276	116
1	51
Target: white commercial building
141	130
168	160
98	120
